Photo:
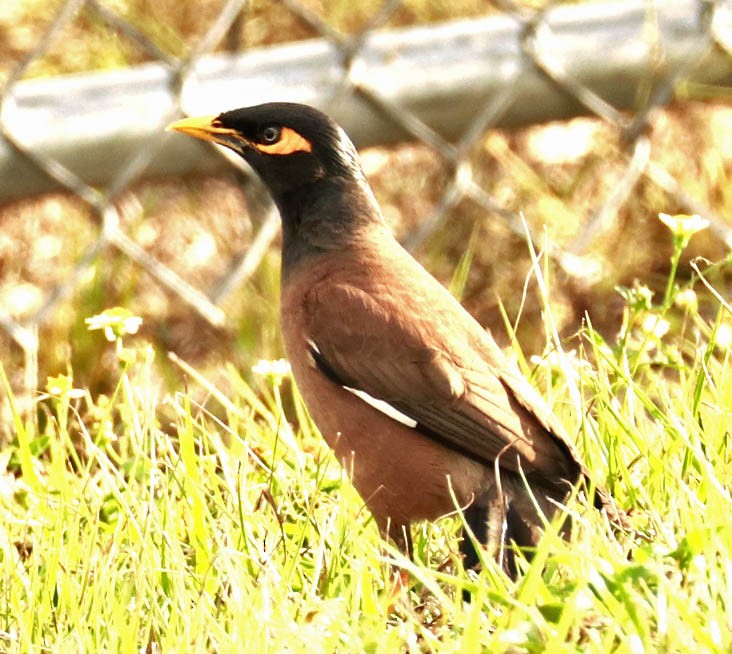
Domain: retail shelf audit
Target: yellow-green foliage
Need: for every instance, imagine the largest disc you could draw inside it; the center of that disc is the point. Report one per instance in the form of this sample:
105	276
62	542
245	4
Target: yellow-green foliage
215	520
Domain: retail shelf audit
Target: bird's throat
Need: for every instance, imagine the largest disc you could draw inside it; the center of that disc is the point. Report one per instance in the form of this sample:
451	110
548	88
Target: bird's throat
332	214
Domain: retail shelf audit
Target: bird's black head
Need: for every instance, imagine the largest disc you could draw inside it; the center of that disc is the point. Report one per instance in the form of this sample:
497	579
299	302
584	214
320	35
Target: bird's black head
289	145
310	167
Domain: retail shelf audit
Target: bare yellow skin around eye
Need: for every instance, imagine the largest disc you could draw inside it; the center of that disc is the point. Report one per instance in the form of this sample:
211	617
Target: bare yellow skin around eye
290	142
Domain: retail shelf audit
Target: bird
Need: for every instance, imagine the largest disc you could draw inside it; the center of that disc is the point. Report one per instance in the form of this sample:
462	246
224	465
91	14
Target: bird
420	405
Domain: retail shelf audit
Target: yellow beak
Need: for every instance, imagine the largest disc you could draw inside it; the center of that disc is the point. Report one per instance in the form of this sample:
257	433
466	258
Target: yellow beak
207	128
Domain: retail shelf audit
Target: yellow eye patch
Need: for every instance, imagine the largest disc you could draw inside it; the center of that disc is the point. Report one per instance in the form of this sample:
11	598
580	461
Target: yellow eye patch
290	141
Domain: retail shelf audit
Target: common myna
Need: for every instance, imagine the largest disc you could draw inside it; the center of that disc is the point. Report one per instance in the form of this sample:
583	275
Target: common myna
420	405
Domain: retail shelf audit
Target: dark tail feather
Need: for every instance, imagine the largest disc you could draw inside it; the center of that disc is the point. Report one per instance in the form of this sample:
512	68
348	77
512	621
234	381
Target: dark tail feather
522	523
476	517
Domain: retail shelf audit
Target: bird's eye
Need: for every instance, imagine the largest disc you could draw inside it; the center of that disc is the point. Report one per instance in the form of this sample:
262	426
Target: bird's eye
271	134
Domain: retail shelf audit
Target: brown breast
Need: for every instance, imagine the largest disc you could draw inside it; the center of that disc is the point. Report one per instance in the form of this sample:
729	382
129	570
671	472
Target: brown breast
401	474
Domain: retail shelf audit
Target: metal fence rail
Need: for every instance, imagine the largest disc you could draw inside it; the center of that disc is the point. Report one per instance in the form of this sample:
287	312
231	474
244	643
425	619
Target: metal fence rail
443	76
444	85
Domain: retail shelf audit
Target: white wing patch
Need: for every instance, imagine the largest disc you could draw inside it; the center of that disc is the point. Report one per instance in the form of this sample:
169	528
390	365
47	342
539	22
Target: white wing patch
380	405
385	408
313	349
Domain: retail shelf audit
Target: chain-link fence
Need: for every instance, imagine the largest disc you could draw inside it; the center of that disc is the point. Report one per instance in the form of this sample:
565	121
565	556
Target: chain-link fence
455	90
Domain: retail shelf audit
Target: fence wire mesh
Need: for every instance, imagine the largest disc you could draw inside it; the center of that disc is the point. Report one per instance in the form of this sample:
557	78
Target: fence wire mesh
462	169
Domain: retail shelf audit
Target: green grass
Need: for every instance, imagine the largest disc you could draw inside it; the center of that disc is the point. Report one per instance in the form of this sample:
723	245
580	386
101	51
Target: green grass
215	519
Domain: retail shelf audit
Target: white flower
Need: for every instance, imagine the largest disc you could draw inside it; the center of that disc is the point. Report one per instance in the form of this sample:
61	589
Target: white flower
687	299
567	363
276	370
683	226
63	386
723	337
655	325
115	322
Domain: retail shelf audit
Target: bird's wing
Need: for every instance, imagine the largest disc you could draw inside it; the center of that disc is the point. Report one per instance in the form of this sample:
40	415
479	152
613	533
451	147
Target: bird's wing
437	367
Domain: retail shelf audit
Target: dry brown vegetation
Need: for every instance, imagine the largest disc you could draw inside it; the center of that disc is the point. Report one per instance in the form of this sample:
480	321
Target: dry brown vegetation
195	226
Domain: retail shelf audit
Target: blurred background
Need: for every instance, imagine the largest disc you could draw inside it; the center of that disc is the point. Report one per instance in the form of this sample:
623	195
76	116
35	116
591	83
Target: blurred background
586	119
